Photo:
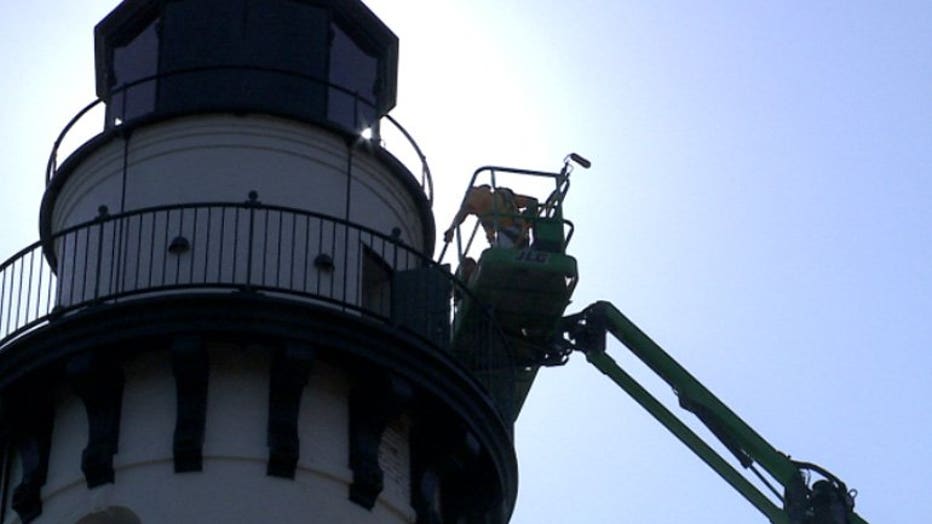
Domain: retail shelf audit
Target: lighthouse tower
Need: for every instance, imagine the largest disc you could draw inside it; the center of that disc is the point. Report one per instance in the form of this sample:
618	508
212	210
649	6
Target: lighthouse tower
232	314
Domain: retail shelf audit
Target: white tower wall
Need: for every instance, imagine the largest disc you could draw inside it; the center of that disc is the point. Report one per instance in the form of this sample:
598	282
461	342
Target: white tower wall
222	159
233	486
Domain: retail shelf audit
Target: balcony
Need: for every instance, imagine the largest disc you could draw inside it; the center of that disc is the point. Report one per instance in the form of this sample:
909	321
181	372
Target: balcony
278	253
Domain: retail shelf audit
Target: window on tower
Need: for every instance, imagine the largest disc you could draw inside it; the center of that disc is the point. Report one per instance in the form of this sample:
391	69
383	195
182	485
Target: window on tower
376	283
110	515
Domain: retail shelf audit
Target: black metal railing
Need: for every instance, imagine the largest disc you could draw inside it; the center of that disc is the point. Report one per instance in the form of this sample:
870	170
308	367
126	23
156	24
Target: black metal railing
278	252
362	121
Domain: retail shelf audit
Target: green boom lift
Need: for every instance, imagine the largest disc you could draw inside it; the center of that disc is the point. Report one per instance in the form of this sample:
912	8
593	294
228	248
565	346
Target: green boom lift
528	287
525	287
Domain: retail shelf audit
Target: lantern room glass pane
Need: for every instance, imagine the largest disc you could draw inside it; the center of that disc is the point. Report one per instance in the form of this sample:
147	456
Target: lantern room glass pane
137	59
356	72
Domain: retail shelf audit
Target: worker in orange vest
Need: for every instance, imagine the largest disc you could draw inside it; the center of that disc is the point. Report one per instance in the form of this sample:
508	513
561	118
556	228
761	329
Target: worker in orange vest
499	212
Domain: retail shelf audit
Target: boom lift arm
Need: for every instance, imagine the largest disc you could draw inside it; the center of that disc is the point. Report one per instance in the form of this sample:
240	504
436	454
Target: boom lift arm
827	501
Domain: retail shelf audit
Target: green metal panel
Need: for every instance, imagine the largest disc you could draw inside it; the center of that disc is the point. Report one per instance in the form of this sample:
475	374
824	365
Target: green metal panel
527	289
548	234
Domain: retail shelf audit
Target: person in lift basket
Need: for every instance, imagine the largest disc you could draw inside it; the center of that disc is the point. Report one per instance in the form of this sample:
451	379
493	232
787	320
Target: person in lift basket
499	212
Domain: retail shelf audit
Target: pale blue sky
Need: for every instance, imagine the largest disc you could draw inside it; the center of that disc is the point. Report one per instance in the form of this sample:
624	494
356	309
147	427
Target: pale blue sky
759	203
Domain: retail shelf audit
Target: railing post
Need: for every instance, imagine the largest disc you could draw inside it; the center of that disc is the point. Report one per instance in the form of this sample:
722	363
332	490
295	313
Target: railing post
53	163
101	219
3	274
251	204
32	257
19	294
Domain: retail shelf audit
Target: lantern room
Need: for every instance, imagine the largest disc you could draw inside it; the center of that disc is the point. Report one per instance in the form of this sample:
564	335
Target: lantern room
323	61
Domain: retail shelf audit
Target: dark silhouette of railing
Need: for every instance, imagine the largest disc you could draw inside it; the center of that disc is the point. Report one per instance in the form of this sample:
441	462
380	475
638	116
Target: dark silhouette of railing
115	109
279	252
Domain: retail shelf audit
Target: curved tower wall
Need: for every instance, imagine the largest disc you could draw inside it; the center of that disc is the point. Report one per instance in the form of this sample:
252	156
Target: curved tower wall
233	486
219	158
